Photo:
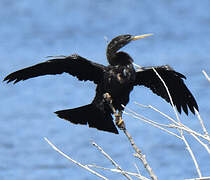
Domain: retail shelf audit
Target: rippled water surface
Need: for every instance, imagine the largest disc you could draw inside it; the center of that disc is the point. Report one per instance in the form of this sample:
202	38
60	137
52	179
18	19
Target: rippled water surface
31	30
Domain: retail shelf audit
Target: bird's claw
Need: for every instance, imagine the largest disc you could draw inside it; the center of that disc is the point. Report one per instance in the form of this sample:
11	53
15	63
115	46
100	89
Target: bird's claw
119	122
118	117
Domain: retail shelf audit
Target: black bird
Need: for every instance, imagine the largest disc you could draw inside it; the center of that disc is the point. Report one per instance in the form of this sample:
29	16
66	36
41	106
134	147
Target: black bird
114	84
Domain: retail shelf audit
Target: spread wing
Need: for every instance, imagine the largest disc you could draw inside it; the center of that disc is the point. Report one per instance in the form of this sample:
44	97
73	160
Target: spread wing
75	65
180	94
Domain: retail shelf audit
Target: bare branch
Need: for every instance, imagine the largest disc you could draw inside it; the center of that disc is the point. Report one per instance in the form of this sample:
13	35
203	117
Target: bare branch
178	125
181	131
205	74
203	144
119	171
110	159
193	156
169	95
137	168
164	126
202	123
202	178
140	155
154	124
75	162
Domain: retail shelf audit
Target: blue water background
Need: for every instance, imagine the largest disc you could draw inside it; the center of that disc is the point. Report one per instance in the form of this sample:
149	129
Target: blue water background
31	30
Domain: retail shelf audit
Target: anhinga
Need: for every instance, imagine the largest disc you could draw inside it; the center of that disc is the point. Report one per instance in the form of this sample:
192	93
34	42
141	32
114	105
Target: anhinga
114	84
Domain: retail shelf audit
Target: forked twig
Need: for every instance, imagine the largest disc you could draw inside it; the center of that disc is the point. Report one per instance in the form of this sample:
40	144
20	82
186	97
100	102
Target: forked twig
140	155
111	160
158	125
176	124
137	175
202	124
181	131
72	160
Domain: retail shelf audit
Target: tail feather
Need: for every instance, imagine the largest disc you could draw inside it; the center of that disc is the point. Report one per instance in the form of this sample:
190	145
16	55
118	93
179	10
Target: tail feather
91	115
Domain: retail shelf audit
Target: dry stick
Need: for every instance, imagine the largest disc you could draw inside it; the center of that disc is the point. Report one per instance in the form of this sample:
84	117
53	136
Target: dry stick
179	125
203	144
119	171
205	74
140	155
169	95
112	161
138	151
77	163
195	135
202	178
185	128
181	131
153	108
202	124
154	124
107	97
192	155
137	168
147	119
164	126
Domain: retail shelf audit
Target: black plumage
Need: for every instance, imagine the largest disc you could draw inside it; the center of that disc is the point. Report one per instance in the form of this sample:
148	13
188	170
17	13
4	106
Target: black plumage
117	80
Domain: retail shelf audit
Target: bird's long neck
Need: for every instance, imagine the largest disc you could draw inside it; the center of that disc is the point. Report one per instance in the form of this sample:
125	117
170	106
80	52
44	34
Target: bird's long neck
120	58
112	49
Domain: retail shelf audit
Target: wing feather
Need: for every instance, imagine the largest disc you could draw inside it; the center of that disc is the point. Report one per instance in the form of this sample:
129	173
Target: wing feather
75	65
181	95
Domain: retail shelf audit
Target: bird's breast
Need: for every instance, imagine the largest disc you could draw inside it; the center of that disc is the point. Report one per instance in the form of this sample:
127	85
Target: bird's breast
121	75
119	79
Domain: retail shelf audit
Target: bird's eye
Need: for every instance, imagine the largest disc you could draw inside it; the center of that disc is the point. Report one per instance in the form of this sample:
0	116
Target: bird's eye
128	37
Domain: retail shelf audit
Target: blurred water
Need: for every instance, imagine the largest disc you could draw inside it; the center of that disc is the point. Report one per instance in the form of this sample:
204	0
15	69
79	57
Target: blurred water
31	30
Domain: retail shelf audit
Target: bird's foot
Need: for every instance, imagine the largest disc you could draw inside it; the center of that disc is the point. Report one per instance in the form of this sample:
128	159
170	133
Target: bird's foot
108	99
118	117
119	122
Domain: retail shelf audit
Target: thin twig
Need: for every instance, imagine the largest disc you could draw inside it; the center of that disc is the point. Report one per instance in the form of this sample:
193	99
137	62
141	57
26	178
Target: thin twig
137	168
138	151
205	74
178	125
181	131
163	126
202	178
75	162
155	109
153	124
202	123
169	95
193	156
119	171
111	160
149	121
203	144
144	118
140	155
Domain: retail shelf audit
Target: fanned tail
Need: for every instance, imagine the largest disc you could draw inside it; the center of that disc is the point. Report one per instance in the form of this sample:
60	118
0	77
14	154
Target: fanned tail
91	115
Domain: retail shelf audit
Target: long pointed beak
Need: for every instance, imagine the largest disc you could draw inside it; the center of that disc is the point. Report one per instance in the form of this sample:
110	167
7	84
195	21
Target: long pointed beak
141	36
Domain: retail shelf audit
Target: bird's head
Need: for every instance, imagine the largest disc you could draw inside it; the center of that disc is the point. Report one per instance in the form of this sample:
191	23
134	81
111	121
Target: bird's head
119	42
